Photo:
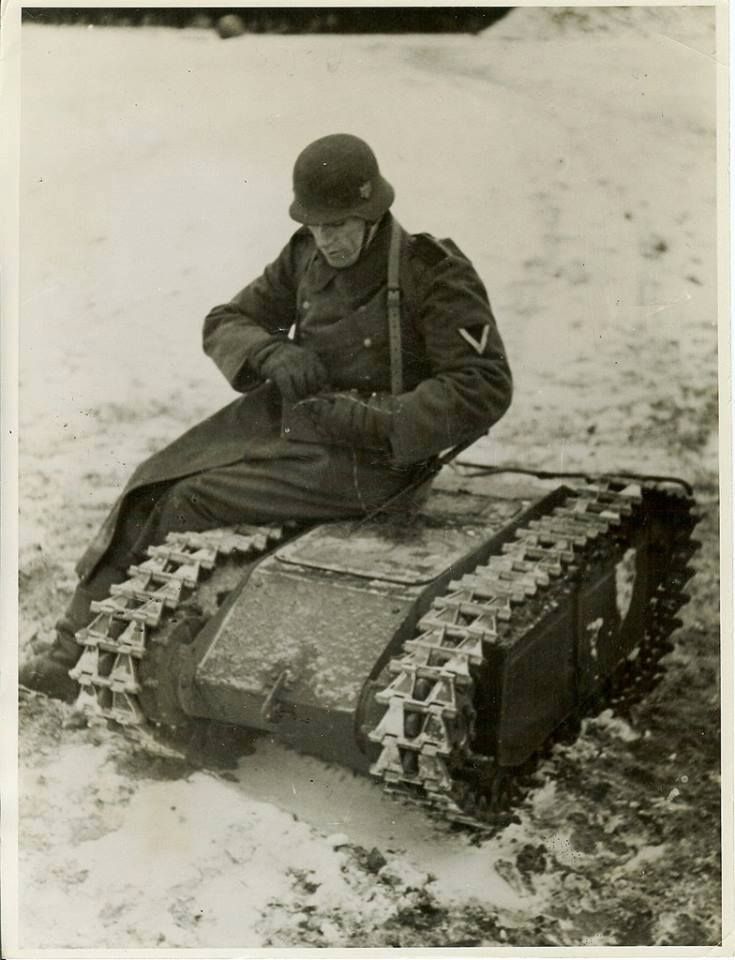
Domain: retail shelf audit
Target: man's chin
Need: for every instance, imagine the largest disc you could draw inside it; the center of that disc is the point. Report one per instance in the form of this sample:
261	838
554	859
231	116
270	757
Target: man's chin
340	262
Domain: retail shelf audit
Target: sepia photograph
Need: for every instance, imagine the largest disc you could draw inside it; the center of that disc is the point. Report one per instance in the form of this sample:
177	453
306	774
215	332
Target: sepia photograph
370	456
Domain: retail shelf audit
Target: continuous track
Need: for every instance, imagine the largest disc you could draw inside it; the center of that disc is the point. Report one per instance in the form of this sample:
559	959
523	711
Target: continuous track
138	618
428	733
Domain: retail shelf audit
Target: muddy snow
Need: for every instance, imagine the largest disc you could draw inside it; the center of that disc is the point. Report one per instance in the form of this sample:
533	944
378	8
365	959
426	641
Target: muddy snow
571	154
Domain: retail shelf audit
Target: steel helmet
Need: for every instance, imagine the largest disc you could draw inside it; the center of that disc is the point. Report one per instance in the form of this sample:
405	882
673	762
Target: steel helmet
337	177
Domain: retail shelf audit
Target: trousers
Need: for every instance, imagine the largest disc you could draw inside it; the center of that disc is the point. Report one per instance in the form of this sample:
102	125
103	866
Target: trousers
242	492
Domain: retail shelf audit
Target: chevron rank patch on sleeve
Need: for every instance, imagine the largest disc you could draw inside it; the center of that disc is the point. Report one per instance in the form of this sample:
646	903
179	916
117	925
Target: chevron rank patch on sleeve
476	336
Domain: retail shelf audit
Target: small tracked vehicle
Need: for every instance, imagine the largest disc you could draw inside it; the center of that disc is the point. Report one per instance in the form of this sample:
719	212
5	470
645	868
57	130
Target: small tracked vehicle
437	651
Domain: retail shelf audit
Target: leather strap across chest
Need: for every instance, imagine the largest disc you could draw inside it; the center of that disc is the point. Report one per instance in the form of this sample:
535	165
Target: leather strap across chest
394	310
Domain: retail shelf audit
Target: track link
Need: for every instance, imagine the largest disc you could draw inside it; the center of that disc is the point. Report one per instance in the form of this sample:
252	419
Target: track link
130	622
427	732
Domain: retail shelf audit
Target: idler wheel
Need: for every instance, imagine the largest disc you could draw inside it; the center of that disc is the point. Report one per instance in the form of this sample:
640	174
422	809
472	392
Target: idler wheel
410	762
413	722
422	688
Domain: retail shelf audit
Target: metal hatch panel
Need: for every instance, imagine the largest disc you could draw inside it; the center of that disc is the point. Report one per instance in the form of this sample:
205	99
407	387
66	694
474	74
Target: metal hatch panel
412	555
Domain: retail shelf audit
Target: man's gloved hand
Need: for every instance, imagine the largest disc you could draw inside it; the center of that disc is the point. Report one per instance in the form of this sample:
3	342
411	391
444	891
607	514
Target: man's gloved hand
351	419
296	371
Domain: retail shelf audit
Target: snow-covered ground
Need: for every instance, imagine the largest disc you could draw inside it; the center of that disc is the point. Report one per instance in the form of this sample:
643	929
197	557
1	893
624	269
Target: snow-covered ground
572	156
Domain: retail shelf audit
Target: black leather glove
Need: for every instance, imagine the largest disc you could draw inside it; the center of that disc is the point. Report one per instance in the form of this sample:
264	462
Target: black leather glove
296	371
354	420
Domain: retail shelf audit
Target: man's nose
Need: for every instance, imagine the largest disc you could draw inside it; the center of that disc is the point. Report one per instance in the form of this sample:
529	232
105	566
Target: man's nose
324	231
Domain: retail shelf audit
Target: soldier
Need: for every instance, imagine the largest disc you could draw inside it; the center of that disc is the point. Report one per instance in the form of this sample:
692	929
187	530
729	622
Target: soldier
344	394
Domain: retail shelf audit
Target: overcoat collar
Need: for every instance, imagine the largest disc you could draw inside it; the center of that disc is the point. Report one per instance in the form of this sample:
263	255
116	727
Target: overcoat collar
364	276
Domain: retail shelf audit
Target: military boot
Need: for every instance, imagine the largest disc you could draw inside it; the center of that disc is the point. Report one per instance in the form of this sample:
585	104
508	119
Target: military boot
49	672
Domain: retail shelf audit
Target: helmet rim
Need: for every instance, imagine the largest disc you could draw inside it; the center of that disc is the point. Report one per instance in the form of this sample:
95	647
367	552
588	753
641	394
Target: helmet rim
313	214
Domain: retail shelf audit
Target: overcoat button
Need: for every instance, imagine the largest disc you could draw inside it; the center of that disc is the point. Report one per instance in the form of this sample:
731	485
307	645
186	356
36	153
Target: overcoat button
305	304
367	342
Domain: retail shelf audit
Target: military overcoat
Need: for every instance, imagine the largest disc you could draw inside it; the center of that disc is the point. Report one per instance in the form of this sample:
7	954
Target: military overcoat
456	377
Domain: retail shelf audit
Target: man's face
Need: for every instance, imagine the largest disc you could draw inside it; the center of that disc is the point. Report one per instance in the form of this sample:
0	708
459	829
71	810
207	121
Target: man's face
341	243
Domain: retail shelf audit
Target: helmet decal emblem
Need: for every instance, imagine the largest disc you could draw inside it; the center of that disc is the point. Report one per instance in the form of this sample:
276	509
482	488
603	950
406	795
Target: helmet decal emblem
366	190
